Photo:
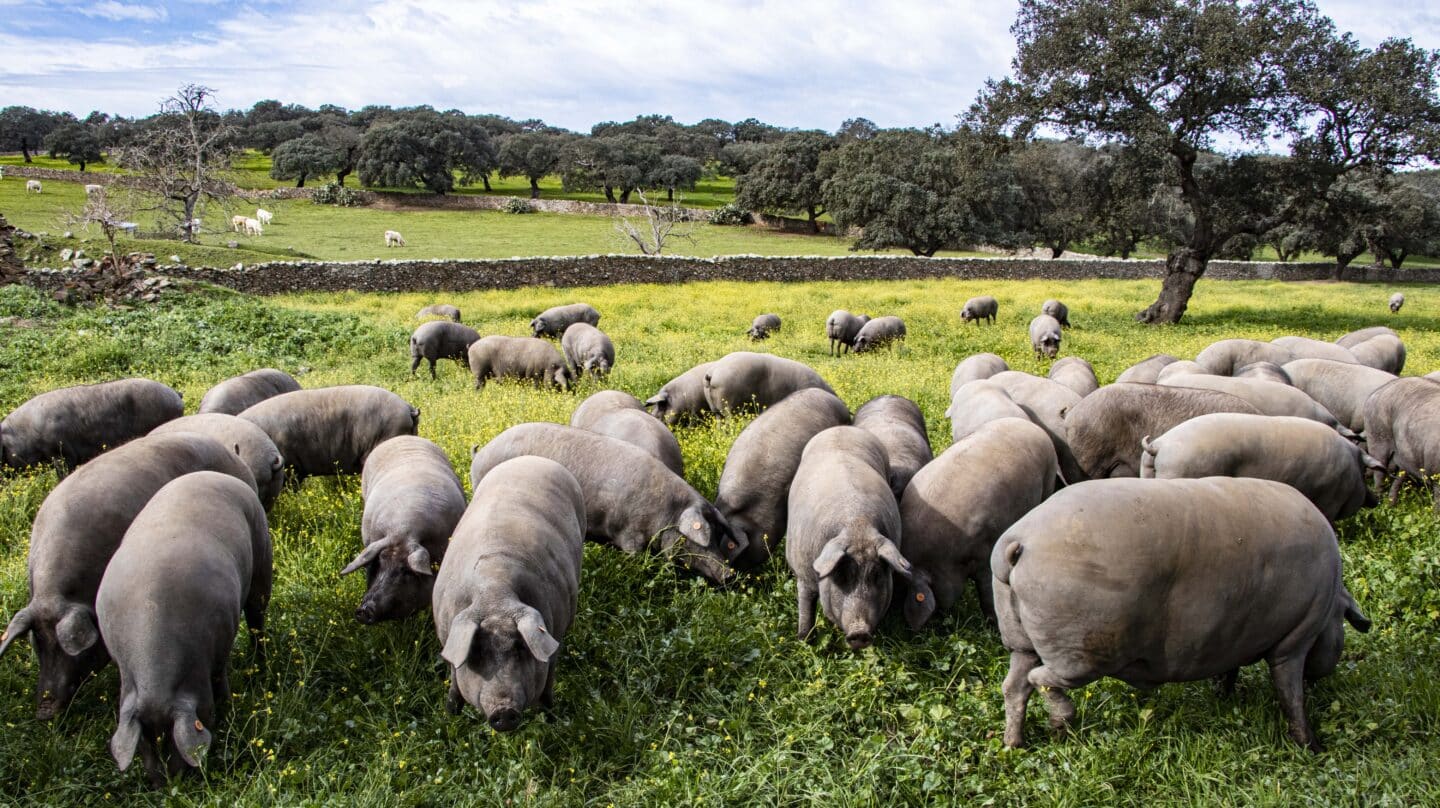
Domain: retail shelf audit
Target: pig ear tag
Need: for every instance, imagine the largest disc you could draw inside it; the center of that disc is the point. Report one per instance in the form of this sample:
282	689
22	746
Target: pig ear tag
694	525
199	727
919	597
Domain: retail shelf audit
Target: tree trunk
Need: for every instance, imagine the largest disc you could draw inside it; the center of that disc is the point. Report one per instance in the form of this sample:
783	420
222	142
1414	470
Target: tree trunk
814	217
670	194
1183	267
485	178
625	196
610	194
190	219
1056	252
1398	258
82	166
534	187
340	177
300	181
25	148
1342	260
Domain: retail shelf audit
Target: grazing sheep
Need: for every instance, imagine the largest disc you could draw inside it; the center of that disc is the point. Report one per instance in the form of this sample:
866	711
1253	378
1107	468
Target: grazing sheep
976	367
682	399
1076	374
263	216
743	378
235	395
621	416
1396	301
900	426
763	326
441	339
1105	428
92	190
1340	387
71	425
439	310
980	308
1045	336
588	350
32	185
1154	581
331	430
1058	310
168	611
1146	371
250	443
237	223
253	228
842	327
553	321
530	358
394	239
881	331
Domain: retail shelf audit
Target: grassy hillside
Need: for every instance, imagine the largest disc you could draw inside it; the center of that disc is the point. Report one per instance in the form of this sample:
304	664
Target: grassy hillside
671	692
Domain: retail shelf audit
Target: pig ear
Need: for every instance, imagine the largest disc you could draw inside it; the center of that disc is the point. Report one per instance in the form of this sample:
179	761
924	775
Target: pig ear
419	562
830	556
191	737
919	603
76	631
366	556
462	637
533	631
126	738
1371	463
695	527
890	554
657	401
19	624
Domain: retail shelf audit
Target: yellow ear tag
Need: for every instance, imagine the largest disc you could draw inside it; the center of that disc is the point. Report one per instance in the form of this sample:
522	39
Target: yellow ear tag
920	597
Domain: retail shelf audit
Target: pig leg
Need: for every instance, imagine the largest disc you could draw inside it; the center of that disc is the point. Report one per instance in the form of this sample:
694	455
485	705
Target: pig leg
454	702
1395	488
432	370
806	595
1289	678
1053	685
1017	690
414	363
547	696
150	757
255	622
985	591
1225	682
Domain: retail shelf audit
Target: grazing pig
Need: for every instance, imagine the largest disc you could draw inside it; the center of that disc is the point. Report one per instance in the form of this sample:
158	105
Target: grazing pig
763	326
331	430
1339	387
880	332
842	327
439	310
509	589
1155	581
238	394
754	486
193	561
622	416
900	426
413	500
682	399
587	350
76	531
842	534
1306	348
1058	310
1228	355
1183	367
1104	430
1270	398
553	321
1382	352
72	425
957	506
1076	374
1307	456
1264	370
980	308
532	358
1396	301
1146	371
1045	336
977	404
1358	336
632	501
975	367
742	379
1046	404
441	339
250	443
1402	431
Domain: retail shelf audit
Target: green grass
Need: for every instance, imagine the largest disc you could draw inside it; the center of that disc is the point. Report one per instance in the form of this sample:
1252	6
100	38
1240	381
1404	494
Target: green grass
670	692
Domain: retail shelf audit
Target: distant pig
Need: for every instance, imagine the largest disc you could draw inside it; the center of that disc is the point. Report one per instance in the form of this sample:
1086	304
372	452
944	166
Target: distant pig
980	308
682	399
249	442
235	395
532	358
743	378
509	589
1045	336
763	326
439	310
1058	310
880	332
900	426
553	321
842	327
1396	301
842	536
621	416
331	430
168	611
587	350
72	425
441	339
75	533
413	500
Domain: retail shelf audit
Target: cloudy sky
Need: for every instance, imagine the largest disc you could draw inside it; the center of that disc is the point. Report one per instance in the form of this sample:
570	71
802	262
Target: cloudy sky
803	63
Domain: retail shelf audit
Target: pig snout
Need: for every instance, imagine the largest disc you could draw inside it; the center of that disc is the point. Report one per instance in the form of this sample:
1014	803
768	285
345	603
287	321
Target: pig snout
859	638
368	613
505	719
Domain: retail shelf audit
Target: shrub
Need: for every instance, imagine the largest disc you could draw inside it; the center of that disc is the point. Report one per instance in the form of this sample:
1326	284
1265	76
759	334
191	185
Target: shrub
336	194
731	215
518	205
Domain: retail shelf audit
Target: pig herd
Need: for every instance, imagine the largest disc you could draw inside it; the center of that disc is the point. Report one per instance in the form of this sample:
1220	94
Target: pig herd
155	545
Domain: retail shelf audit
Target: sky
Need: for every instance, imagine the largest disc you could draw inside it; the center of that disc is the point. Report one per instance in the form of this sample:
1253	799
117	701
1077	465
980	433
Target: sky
793	63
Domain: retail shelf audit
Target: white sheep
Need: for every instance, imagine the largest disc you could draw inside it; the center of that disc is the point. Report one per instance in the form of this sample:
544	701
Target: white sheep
237	223
91	190
253	228
32	185
263	216
394	239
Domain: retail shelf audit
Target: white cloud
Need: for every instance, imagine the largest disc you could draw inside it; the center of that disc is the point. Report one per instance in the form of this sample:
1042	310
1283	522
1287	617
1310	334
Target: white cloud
111	10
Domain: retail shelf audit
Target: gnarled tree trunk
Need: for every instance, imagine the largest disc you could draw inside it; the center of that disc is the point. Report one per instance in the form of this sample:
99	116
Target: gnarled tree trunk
1183	267
534	187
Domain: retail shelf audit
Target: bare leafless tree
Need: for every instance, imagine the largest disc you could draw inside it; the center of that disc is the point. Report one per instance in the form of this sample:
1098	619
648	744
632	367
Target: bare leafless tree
661	226
184	157
108	210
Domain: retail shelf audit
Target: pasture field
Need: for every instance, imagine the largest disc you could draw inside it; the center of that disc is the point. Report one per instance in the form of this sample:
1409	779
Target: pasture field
669	691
